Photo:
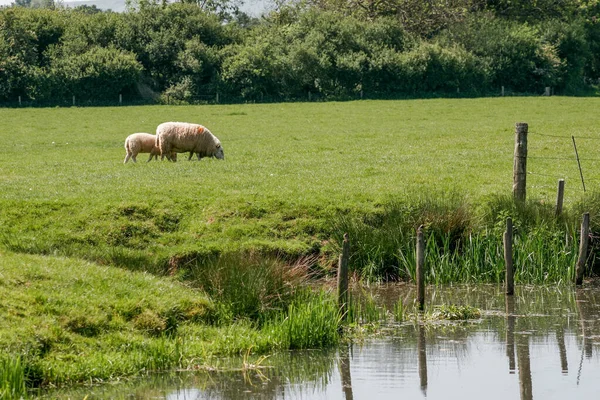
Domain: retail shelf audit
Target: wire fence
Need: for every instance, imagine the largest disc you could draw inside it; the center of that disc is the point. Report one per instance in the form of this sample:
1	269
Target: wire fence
580	163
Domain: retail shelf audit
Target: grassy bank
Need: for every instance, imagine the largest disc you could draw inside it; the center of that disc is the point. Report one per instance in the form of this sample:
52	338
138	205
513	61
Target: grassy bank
295	176
215	255
67	321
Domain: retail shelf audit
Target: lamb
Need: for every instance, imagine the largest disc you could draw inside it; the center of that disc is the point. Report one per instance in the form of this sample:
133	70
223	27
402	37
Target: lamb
181	137
142	143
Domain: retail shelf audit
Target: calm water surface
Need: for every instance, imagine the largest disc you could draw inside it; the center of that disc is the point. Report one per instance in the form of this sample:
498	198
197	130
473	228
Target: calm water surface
541	344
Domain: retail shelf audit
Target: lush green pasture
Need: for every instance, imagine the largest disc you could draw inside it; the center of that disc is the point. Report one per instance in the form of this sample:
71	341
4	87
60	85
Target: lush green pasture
290	169
294	178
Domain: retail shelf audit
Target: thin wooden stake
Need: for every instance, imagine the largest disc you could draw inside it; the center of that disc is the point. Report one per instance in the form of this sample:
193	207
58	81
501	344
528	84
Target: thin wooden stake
559	197
578	163
420	268
342	283
508	258
520	162
583	245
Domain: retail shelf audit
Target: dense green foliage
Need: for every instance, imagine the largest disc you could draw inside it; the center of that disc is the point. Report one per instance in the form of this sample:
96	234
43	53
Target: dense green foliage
183	53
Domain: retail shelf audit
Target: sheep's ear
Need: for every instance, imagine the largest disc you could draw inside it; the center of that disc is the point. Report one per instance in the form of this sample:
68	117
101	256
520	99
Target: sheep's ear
218	145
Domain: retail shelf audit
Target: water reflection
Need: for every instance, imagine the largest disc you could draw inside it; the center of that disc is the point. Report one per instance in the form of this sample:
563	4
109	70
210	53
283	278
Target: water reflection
422	349
510	332
344	366
521	348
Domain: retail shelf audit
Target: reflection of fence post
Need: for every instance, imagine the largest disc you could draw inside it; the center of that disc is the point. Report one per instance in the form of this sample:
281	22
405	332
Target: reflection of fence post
420	268
583	245
342	283
508	258
524	364
422	349
520	162
345	372
562	350
510	332
559	197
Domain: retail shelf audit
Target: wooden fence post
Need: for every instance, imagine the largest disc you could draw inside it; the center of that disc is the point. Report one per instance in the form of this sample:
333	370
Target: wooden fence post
508	258
73	100
120	99
420	268
520	162
559	197
342	282
583	245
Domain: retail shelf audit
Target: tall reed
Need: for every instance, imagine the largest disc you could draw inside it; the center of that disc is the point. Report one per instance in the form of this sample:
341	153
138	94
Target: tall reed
12	378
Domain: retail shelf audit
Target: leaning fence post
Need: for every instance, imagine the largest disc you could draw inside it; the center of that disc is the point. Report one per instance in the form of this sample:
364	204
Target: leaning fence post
583	245
420	268
342	283
559	197
520	162
508	258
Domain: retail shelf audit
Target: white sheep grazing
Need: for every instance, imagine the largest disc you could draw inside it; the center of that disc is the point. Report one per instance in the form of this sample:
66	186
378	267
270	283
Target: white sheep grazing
181	137
142	143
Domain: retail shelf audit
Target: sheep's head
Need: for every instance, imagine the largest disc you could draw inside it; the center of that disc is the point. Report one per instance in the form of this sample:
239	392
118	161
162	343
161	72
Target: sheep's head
219	154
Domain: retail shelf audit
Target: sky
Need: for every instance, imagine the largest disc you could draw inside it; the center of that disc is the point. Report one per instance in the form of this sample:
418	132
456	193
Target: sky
252	7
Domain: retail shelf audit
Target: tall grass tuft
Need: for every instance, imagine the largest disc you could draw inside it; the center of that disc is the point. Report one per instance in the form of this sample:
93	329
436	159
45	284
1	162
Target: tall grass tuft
12	378
363	309
399	312
312	321
247	286
463	243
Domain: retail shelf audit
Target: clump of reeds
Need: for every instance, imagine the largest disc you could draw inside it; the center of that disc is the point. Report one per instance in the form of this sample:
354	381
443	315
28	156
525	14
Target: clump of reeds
312	321
12	378
248	286
463	242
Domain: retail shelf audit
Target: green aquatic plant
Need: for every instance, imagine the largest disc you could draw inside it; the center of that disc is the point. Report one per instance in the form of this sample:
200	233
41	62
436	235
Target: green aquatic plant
455	313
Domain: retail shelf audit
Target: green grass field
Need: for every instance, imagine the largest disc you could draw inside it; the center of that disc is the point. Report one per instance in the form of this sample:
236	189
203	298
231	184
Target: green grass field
294	178
289	169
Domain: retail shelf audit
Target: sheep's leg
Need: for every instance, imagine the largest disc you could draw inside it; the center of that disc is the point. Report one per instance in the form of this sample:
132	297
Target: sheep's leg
151	156
127	158
191	155
133	158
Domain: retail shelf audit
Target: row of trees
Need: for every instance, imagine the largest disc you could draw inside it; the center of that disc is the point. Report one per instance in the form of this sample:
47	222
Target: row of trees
329	48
